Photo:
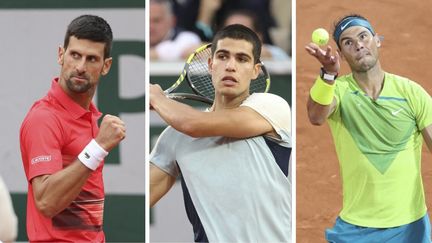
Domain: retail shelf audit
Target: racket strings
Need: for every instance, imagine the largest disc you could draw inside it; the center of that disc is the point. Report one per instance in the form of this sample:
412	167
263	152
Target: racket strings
259	85
199	76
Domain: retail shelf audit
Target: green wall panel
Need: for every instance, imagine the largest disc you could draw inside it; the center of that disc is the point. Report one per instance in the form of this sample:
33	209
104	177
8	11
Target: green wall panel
123	217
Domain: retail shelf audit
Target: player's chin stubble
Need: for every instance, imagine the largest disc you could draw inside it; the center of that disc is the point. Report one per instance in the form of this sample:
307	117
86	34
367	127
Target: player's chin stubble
76	87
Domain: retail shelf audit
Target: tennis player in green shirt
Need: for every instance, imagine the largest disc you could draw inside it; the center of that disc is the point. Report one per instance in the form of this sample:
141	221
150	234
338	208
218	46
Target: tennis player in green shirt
378	121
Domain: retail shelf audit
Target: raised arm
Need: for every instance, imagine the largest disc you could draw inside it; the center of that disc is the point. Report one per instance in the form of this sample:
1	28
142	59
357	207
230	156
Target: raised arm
240	122
318	107
160	183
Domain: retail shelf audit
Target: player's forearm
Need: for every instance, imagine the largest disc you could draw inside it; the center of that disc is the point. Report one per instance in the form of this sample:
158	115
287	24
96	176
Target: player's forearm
318	113
321	100
176	114
180	116
53	193
241	122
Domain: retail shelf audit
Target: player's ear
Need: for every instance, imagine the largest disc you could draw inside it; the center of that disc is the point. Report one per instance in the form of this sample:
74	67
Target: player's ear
257	69
210	64
377	39
107	66
60	55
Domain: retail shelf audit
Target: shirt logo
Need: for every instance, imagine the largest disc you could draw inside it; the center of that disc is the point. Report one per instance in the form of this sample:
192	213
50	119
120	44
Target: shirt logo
42	158
394	113
86	155
345	25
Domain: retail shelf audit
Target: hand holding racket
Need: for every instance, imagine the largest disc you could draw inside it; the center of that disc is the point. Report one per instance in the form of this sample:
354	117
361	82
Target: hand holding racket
196	72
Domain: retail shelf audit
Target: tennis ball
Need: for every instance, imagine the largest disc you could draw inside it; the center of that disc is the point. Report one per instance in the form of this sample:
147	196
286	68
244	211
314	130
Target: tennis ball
320	36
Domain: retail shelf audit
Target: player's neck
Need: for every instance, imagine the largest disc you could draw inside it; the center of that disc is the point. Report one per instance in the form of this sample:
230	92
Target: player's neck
371	81
226	102
82	99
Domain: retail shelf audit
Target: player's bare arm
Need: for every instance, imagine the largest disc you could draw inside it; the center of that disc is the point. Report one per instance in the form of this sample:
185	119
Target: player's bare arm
160	183
331	64
427	136
53	193
240	122
318	113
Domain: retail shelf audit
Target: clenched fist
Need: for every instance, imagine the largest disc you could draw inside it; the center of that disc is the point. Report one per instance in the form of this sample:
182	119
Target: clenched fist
112	130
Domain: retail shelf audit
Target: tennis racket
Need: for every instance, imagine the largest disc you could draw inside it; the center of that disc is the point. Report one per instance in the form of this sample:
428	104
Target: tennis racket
197	74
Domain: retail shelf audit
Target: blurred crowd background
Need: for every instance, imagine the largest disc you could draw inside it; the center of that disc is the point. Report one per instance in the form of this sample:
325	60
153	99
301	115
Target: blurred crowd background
177	27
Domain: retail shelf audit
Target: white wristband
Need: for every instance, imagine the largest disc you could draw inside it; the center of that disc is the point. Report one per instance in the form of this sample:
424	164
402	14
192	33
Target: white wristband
92	155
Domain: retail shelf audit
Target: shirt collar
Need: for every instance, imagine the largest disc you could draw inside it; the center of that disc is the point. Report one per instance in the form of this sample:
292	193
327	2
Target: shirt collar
70	105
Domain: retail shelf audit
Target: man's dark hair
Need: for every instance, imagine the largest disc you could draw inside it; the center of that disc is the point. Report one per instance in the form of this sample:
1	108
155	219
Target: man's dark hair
239	32
90	27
